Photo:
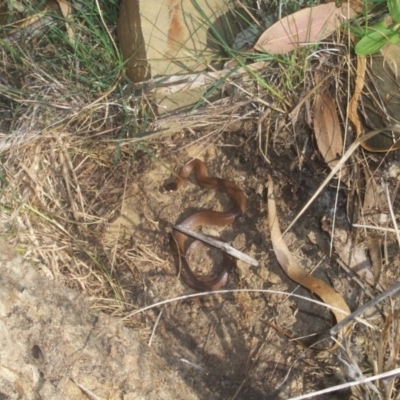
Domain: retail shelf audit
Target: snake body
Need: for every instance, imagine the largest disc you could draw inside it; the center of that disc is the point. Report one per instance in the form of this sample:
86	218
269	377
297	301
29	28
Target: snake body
204	217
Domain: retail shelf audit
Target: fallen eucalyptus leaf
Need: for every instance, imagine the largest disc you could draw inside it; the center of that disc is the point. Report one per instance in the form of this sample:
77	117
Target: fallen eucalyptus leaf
328	134
306	26
294	271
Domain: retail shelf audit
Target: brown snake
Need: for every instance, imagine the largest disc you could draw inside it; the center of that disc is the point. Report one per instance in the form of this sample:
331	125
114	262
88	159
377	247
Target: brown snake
204	217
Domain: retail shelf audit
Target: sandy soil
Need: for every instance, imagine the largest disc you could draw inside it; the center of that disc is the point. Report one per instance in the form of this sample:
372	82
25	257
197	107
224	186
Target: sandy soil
228	345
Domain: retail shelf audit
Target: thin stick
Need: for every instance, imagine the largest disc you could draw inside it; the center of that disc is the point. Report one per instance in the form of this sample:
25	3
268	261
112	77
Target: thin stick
339	165
155	327
388	374
218	244
390	292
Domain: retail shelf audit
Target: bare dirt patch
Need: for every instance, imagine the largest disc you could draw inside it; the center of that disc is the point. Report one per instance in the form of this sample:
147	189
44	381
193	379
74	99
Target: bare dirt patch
230	344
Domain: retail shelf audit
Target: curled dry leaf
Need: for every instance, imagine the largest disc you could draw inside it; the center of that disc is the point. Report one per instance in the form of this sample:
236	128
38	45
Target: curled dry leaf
327	130
294	271
386	86
306	26
359	84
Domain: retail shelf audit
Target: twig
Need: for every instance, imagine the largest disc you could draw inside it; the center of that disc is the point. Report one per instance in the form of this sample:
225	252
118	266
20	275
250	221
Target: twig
390	292
349	384
339	165
219	245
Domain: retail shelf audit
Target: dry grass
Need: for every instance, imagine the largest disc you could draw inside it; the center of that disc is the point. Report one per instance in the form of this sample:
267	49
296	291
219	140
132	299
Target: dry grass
72	133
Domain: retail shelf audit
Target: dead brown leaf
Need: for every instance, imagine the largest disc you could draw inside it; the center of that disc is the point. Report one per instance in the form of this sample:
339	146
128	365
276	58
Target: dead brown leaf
327	130
359	84
306	26
385	83
293	270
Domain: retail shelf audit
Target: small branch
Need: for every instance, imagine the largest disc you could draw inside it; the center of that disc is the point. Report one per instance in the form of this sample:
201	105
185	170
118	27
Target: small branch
390	292
218	244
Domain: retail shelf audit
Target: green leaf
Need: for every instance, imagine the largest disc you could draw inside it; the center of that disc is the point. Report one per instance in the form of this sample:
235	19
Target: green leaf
394	39
358	32
364	31
394	10
377	37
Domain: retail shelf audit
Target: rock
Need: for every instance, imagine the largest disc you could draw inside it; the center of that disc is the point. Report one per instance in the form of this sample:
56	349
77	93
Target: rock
53	347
